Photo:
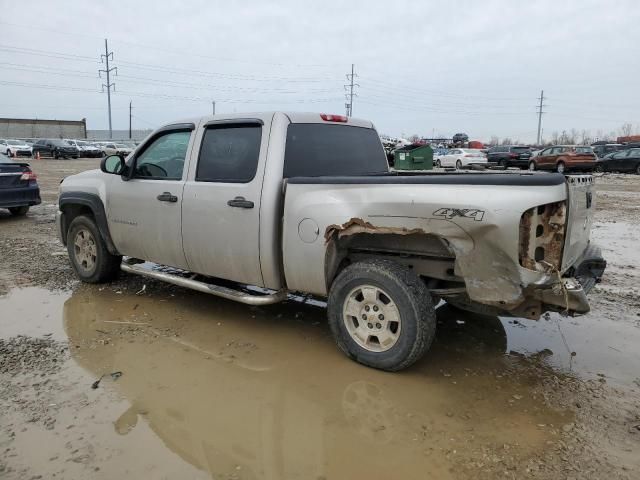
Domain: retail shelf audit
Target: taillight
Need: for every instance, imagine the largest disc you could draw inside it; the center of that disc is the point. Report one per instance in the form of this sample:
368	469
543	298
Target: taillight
28	175
328	117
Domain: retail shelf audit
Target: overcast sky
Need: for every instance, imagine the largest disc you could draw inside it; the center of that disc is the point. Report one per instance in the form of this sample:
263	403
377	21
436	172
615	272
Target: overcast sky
436	67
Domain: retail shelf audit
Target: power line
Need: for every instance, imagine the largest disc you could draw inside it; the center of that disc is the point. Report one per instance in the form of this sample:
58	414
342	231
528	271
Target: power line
107	70
165	50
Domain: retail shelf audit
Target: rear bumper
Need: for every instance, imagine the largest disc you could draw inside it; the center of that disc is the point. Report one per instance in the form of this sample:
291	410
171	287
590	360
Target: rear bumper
20	196
571	294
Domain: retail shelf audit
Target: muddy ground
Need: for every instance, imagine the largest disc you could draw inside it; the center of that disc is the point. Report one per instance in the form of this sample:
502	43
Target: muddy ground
191	386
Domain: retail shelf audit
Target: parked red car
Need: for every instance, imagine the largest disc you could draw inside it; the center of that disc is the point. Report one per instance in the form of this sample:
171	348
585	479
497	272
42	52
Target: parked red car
562	158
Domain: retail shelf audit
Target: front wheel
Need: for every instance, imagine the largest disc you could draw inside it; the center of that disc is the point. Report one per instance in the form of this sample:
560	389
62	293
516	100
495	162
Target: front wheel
503	163
598	169
638	169
458	164
438	164
88	253
381	314
532	166
560	167
19	211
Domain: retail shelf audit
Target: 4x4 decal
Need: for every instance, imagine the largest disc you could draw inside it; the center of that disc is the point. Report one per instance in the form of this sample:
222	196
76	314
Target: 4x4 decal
449	213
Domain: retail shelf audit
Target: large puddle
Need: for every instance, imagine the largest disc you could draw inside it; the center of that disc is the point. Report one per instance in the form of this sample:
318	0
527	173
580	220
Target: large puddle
264	393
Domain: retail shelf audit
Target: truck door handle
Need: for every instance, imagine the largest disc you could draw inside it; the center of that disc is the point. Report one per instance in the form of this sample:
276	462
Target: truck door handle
167	197
240	202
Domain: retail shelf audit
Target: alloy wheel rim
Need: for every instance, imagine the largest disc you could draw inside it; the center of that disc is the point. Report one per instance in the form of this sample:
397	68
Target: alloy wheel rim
372	318
85	250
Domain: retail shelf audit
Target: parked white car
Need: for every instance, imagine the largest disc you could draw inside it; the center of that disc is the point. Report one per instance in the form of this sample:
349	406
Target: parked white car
116	149
461	157
15	148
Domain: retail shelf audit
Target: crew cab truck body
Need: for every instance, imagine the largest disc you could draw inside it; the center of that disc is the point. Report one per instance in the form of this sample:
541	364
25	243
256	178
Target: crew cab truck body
303	202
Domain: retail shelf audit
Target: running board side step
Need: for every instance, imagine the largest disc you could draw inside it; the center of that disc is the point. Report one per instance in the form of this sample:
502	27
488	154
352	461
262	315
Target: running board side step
217	290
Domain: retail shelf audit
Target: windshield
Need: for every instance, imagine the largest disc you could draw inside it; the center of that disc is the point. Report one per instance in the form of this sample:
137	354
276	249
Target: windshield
83	144
121	145
520	149
14	142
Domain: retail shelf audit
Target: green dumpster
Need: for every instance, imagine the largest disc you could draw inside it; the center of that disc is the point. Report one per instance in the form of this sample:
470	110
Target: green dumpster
413	157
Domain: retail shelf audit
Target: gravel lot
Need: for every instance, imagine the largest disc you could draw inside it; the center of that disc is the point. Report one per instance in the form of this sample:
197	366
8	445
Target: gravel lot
213	389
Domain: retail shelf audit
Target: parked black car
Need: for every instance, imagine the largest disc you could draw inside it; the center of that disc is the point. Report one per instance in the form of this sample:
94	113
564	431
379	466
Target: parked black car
18	186
620	161
510	156
56	148
603	150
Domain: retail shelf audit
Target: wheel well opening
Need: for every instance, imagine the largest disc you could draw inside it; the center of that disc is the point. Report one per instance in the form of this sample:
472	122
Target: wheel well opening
430	256
70	213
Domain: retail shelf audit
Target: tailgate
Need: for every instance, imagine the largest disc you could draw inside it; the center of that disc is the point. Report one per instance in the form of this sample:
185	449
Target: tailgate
581	208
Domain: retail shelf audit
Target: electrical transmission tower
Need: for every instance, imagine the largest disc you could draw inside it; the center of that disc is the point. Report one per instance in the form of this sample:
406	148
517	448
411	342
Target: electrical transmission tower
349	88
105	59
540	112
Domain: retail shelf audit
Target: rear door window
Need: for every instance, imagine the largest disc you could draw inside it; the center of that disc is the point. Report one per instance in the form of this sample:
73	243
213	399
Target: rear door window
317	149
229	153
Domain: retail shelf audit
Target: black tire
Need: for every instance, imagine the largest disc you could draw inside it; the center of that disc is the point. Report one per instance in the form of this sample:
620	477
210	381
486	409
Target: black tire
638	169
19	211
438	163
9	153
503	163
417	325
561	167
458	164
598	169
105	266
532	166
55	155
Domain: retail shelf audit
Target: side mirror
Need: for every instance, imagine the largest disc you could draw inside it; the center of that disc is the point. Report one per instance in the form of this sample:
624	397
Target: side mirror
113	164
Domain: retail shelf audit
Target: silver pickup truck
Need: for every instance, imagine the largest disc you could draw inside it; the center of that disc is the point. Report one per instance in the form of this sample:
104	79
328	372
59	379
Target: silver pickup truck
254	207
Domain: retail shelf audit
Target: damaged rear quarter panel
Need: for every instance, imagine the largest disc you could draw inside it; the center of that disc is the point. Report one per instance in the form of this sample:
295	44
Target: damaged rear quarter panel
486	250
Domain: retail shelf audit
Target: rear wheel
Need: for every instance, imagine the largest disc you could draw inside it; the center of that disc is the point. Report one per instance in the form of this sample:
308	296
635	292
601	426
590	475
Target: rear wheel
458	164
381	314
532	165
438	163
19	211
598	169
560	167
89	256
638	169
503	163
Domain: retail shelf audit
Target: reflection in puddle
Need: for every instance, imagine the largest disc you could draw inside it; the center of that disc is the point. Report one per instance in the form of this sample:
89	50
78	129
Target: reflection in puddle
264	392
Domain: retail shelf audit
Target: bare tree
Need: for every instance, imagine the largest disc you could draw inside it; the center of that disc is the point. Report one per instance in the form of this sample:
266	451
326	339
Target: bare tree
507	141
555	138
626	129
494	140
585	137
573	136
414	138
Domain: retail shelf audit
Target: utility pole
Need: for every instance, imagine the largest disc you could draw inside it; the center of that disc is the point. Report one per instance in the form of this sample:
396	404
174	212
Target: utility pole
540	112
213	107
105	59
349	88
129	119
